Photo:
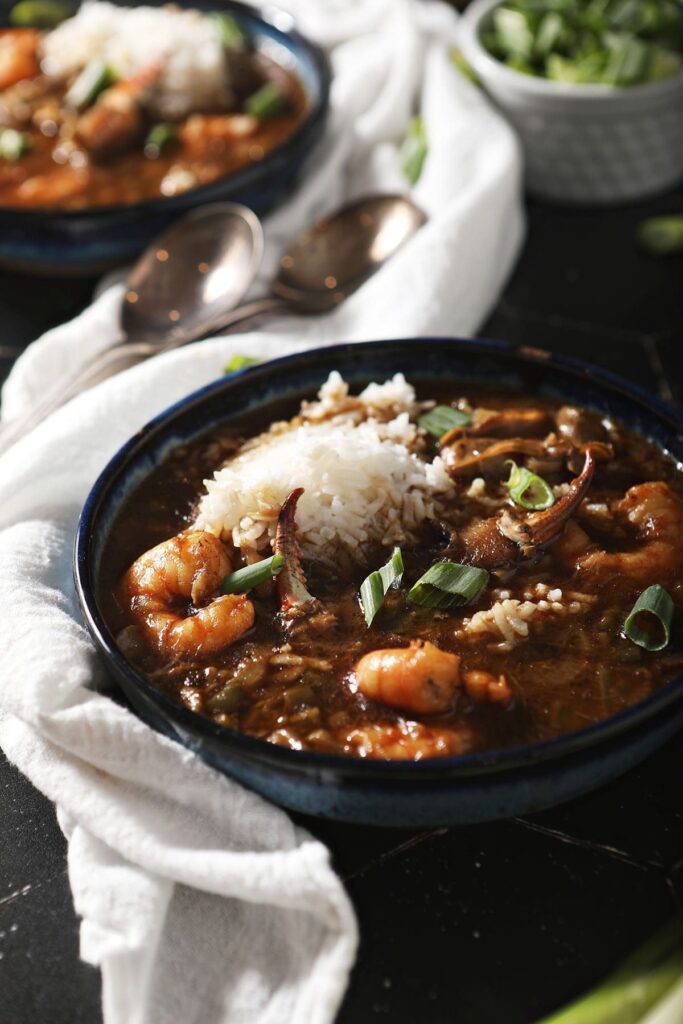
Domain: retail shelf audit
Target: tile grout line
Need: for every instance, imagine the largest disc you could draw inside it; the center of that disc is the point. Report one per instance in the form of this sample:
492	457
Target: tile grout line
649	343
586	844
401	848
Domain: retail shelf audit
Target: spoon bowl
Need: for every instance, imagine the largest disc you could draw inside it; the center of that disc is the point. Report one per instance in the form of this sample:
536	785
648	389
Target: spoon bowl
194	272
339	253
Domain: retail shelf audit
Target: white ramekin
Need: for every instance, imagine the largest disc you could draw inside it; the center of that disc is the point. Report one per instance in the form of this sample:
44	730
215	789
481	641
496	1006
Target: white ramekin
584	143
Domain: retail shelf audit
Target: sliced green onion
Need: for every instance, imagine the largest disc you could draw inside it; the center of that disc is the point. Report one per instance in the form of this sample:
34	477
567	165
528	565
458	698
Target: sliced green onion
448	585
375	586
230	32
252	575
636	987
13	144
442	418
265	102
39	13
160	137
95	77
239	362
661	235
414	150
529	490
654	607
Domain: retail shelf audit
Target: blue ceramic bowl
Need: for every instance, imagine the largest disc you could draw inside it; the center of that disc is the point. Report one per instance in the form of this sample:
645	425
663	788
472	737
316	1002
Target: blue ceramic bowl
90	241
476	787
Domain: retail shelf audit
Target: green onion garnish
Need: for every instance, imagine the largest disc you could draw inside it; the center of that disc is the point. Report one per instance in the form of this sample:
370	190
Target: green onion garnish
529	490
414	150
39	13
230	32
13	144
159	138
649	623
661	235
442	418
266	102
448	585
95	77
239	362
252	575
374	588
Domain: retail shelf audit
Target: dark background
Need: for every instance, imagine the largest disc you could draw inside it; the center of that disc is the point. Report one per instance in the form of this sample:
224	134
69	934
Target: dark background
493	924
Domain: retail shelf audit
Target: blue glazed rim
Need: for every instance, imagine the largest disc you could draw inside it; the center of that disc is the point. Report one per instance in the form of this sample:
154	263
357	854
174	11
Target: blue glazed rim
250	748
272	19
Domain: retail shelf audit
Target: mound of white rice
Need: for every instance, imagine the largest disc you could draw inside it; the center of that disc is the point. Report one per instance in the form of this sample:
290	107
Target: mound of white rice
362	480
130	39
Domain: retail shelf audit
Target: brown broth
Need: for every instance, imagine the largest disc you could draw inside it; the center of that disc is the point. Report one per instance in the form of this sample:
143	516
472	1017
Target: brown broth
574	669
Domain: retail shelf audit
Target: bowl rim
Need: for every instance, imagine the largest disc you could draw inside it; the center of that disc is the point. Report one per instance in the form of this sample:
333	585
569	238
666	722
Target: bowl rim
455	767
485	64
283	23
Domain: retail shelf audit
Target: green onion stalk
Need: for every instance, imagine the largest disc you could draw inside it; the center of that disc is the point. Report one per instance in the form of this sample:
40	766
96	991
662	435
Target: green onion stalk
648	980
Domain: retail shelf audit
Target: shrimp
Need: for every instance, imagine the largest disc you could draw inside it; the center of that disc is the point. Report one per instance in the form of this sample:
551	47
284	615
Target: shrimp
18	55
485	687
186	570
201	134
117	120
55	186
656	511
402	741
420	678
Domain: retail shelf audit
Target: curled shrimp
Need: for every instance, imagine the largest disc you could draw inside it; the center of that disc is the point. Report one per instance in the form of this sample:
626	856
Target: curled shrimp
420	678
18	55
402	741
186	570
117	120
656	512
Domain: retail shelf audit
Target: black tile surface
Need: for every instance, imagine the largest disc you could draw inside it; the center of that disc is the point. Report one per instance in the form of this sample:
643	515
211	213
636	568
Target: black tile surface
493	924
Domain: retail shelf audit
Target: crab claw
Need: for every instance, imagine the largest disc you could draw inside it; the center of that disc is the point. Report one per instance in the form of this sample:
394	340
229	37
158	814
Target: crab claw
541	528
505	423
291	587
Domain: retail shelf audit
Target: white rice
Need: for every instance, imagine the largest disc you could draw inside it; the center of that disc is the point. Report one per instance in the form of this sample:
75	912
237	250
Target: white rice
130	39
363	482
508	619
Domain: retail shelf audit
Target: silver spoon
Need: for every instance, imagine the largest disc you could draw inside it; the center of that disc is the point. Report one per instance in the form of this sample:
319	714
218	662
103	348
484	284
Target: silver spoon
186	284
329	261
189	277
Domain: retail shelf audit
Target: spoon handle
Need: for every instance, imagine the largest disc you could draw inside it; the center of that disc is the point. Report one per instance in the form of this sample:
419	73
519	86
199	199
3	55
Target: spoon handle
247	311
100	367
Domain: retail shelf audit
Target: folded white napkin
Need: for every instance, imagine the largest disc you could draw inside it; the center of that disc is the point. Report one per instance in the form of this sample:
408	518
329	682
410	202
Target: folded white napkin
200	901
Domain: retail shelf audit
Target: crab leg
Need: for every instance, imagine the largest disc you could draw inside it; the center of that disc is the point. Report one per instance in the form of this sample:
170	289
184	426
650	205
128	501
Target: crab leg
540	528
506	423
294	597
472	463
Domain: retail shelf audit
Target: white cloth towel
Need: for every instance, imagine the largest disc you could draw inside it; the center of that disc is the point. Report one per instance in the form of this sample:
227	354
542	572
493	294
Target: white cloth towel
200	901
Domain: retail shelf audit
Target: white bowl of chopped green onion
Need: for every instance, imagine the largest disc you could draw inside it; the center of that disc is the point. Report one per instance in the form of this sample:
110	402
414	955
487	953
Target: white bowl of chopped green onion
593	87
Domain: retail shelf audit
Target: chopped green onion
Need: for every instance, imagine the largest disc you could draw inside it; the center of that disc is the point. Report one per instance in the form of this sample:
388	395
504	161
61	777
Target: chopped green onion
639	985
252	575
529	490
463	65
13	144
414	150
265	102
95	77
230	32
374	588
447	585
442	418
239	362
654	607
661	235
160	137
39	13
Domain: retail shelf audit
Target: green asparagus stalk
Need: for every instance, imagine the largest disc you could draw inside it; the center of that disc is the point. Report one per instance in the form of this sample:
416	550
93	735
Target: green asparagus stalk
633	988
